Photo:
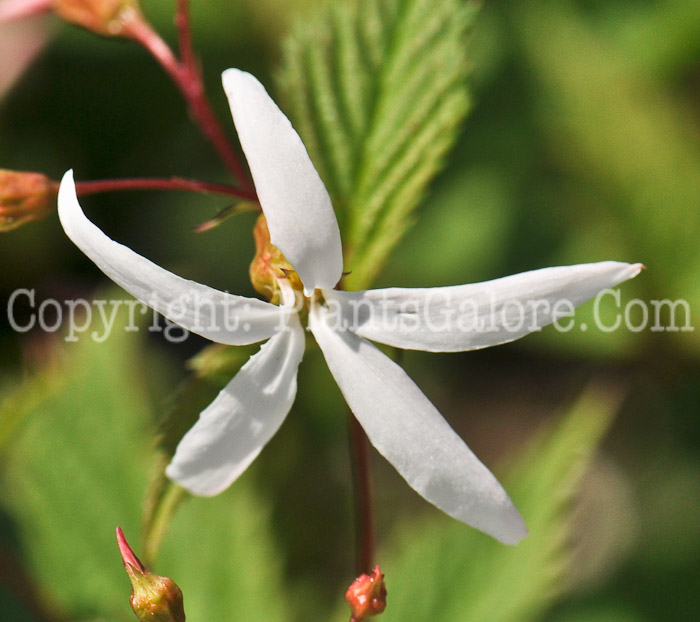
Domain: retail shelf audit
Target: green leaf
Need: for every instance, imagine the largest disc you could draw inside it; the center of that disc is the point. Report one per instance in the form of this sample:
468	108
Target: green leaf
222	554
77	469
79	466
377	90
445	571
612	121
25	399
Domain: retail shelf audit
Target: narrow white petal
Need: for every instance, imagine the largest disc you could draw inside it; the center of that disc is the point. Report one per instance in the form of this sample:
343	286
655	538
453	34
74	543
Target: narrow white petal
479	315
295	201
216	315
410	433
233	429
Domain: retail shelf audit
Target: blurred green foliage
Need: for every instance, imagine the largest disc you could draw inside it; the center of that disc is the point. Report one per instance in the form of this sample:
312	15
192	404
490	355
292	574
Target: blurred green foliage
489	581
583	144
81	465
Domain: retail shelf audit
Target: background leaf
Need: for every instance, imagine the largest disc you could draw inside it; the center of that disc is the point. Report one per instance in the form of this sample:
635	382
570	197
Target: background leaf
77	470
222	554
377	90
627	135
447	571
16	407
79	467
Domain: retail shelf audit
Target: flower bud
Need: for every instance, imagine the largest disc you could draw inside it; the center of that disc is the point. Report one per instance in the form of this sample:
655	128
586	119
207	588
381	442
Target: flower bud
367	595
153	598
24	197
110	18
269	265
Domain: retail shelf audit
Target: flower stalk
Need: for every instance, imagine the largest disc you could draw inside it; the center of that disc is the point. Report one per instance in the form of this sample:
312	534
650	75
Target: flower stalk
362	486
123	18
158	183
187	77
29	196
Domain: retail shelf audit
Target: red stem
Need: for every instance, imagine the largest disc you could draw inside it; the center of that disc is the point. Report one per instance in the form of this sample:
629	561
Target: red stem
188	80
154	183
364	511
182	21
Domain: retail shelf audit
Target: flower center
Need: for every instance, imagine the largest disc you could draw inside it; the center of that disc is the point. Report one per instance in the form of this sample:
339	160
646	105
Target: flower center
270	266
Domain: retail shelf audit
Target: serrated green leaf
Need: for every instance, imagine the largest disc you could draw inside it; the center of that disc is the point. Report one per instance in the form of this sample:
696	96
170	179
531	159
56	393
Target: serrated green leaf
377	90
445	571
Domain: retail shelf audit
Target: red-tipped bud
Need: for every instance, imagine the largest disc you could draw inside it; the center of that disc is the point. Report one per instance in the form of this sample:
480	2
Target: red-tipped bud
366	596
110	18
24	197
153	598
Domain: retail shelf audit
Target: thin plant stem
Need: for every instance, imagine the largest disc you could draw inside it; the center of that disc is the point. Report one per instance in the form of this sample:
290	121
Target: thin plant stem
165	183
187	78
152	538
182	21
364	507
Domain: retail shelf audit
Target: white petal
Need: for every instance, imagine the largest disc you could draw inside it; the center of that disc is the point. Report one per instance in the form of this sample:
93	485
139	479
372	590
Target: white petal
468	317
216	315
295	201
410	433
233	429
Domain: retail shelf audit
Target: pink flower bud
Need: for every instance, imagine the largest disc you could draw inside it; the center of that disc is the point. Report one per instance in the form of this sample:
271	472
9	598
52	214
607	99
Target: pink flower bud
24	197
153	598
367	595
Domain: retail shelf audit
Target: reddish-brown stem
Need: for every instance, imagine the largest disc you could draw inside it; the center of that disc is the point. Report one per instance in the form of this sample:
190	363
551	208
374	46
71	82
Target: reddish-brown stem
182	21
364	511
155	183
189	82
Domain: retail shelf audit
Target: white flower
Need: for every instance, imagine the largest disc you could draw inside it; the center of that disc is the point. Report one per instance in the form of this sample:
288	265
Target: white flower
399	419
